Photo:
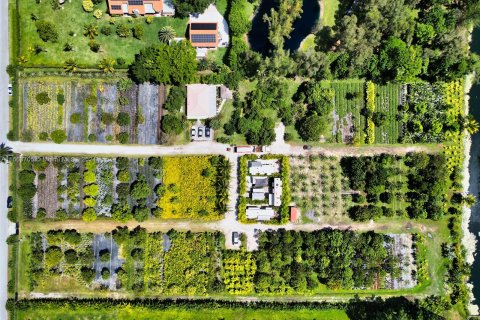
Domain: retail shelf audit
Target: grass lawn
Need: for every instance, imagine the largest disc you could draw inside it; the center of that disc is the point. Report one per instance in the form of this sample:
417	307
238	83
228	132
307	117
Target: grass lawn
330	7
128	312
71	20
308	43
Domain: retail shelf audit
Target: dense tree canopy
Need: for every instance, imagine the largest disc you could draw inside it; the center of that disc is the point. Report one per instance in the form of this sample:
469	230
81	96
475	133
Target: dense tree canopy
163	63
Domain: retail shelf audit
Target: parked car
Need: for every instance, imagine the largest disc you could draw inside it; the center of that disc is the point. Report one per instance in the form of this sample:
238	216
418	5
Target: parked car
10	89
9	202
200	132
307	147
235	238
192	132
207	132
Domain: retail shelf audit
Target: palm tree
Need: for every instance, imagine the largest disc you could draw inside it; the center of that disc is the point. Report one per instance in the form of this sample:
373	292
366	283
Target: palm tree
70	66
471	125
5	152
166	34
90	30
107	65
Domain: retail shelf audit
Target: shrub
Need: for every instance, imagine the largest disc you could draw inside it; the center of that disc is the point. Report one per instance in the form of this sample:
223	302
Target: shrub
94	46
46	31
106	30
92	137
105	274
123	137
43	136
123	176
140	190
75	118
89	177
42	176
89	215
42	98
141	213
98	13
123	119
172	124
41	214
26	177
107	118
123	31
121	61
87	274
87	5
138	31
71	256
58	136
60	98
176	98
91	190
104	255
149	19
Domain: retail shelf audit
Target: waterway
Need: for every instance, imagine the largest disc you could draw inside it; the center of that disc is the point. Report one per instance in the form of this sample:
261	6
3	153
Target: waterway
258	37
474	167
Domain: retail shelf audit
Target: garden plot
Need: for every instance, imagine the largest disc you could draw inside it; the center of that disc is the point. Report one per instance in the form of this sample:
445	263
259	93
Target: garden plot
47	191
125	188
401	247
88	110
349	102
387	102
149	108
42	112
318	186
107	261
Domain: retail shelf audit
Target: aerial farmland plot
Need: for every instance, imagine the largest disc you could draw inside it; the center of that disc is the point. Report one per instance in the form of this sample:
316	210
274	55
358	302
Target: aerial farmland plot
94	110
123	188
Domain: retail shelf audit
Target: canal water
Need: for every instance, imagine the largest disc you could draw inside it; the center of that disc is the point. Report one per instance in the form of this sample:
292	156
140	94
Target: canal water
258	36
474	167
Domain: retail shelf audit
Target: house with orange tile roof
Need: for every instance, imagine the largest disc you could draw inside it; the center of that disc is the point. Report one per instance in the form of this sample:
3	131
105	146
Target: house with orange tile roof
141	7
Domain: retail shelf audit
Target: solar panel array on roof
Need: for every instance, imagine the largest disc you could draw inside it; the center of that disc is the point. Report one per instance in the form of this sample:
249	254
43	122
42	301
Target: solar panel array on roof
116	7
203	38
203	26
135	2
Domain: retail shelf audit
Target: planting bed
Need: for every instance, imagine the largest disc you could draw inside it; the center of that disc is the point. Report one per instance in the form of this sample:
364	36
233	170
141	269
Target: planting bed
196	264
125	188
85	107
318	186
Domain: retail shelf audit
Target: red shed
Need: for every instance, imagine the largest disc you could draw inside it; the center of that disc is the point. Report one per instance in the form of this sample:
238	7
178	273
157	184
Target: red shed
294	214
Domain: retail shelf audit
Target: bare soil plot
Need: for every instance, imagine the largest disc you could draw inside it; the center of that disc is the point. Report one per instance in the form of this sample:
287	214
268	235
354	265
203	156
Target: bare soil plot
149	106
47	191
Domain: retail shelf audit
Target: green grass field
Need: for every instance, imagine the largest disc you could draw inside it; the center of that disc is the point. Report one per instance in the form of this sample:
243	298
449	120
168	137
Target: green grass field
330	7
128	312
71	20
387	101
349	99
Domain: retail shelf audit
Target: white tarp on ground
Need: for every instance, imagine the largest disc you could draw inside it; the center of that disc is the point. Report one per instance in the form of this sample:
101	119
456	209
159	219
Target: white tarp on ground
211	14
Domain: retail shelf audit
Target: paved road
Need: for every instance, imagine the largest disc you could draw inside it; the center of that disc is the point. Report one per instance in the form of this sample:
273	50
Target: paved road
4	126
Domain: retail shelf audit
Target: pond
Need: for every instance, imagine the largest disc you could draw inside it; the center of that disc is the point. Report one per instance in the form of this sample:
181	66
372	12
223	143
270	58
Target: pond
258	36
474	167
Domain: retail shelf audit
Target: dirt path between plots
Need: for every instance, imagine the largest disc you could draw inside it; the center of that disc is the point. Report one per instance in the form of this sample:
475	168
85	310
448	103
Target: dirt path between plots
158	225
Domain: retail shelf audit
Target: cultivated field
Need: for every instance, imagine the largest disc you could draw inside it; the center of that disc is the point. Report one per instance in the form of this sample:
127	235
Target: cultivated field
123	188
89	110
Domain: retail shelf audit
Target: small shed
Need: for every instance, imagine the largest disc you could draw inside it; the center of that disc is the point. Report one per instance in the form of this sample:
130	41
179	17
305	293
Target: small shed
294	214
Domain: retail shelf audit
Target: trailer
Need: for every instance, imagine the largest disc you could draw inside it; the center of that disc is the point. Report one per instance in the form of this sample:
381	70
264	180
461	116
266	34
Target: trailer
244	149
